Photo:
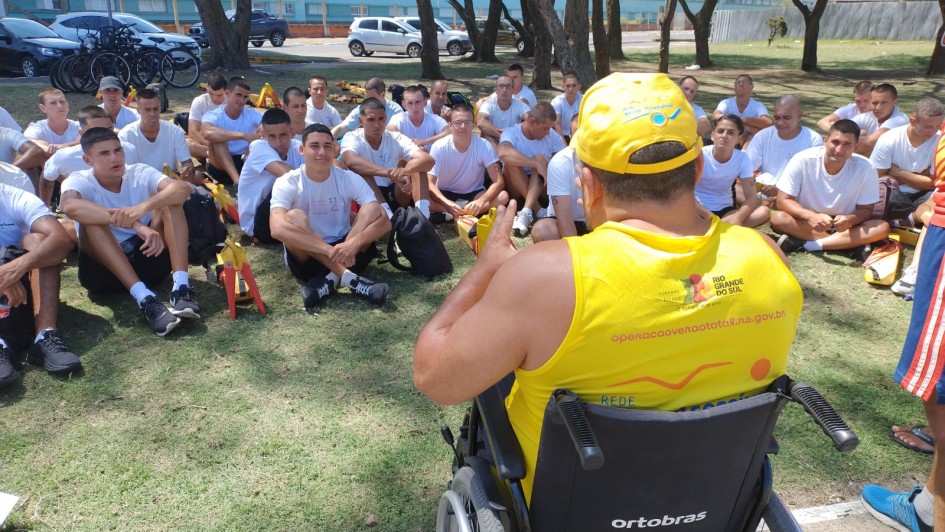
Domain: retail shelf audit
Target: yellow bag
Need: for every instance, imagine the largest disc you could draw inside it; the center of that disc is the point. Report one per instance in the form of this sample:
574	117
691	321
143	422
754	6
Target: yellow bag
883	263
474	231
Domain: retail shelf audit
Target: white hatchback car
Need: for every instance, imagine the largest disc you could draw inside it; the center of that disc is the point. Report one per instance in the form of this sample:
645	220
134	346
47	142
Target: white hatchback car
76	27
449	40
382	34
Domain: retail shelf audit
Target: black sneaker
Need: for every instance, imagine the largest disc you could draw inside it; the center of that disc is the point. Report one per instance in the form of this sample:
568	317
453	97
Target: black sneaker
184	303
789	244
374	292
51	353
159	317
315	290
8	375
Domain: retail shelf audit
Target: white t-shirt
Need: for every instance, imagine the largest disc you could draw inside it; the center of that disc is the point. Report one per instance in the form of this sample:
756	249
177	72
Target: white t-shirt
894	148
7	121
431	126
867	121
461	172
847	112
126	115
699	111
548	146
69	159
10	143
525	94
350	123
769	153
714	188
754	109
805	178
562	171
139	183
327	204
170	146
246	122
202	105
394	147
566	111
40	131
18	211
256	182
507	118
15	177
327	115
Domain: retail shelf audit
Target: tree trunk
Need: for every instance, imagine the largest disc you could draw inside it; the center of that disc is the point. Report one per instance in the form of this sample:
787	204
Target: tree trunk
229	45
567	61
490	32
937	63
614	31
701	28
576	29
811	32
541	74
468	13
666	25
525	28
429	34
601	42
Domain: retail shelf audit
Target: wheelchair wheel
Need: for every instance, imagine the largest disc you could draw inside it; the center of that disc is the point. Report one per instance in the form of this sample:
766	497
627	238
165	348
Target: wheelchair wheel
465	506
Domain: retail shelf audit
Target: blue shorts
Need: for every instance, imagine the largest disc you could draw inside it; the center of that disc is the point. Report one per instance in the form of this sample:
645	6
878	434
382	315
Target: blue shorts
923	355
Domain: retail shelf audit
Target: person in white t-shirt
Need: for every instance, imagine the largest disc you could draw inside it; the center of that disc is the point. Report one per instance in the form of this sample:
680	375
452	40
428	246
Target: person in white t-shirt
35	246
723	166
311	214
503	111
271	157
565	213
885	115
229	129
418	125
905	153
439	104
318	110
520	91
460	162
203	104
373	88
773	147
7	121
567	104
56	131
132	230
294	103
112	101
393	166
690	86
158	142
20	151
826	197
860	104
753	113
525	150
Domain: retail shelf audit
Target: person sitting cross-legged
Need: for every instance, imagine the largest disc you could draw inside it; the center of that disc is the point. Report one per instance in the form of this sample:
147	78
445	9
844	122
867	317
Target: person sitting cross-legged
565	213
132	230
311	216
416	123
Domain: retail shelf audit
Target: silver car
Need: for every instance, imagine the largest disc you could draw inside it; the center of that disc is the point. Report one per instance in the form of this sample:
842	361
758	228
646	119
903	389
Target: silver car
382	34
449	40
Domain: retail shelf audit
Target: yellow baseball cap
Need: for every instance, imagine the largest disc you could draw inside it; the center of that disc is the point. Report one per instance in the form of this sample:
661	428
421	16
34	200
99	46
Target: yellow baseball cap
625	112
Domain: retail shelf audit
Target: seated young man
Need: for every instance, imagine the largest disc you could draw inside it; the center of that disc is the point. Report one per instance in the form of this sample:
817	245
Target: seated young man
439	104
393	166
501	111
373	88
203	104
229	129
56	131
753	113
565	213
416	123
826	196
311	216
29	230
884	115
157	142
567	104
460	161
294	103
132	230
860	104
318	110
271	157
113	102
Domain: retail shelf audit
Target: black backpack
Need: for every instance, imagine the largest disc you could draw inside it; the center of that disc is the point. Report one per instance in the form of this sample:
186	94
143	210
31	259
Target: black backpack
419	243
203	220
182	120
16	325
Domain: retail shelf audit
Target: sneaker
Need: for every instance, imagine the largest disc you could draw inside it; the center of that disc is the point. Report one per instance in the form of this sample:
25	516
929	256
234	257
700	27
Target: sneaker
184	302
894	509
542	213
789	244
8	375
315	290
161	320
522	223
440	217
51	353
374	292
905	286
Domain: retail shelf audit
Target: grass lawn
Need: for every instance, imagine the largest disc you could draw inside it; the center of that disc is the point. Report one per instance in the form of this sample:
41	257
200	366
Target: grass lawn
295	422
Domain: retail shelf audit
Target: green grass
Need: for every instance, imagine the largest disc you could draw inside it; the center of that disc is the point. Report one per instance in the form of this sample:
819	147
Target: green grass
296	422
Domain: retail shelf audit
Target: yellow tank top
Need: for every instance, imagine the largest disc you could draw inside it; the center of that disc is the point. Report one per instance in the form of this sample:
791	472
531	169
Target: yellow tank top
665	323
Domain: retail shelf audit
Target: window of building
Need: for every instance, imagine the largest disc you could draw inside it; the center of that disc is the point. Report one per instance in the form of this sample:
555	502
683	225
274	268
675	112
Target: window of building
50	4
358	11
100	5
152	6
288	8
313	9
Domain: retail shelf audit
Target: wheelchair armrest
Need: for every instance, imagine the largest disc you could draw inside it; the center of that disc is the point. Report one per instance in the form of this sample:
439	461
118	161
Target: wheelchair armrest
844	439
582	435
498	434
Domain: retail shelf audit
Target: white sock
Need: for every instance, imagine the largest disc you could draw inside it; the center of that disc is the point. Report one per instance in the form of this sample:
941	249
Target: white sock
386	207
526	210
333	278
911	219
813	245
40	336
139	291
925	506
348	278
180	279
3	344
424	206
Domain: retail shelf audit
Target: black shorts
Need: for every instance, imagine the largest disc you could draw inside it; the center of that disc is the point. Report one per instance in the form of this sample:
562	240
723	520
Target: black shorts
311	268
469	196
261	230
97	279
581	227
220	176
723	211
17	327
389	196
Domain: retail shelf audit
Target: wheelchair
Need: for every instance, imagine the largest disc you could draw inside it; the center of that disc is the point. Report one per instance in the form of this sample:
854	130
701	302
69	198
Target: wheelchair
706	470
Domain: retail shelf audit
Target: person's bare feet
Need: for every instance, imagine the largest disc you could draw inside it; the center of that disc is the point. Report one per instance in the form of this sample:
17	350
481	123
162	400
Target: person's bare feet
916	438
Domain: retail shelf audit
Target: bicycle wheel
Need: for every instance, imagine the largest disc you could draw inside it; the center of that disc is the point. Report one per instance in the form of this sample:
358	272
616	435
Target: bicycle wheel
146	66
110	64
55	75
77	74
180	68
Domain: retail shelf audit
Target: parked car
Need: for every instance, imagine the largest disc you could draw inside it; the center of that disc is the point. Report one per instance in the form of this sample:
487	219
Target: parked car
506	36
77	26
262	27
382	34
30	47
449	40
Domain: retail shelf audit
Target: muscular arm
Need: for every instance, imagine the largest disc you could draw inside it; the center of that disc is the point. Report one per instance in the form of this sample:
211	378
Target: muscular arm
194	131
512	157
912	179
564	218
824	123
420	161
278	168
216	134
30	156
486	127
363	167
758	123
867	142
